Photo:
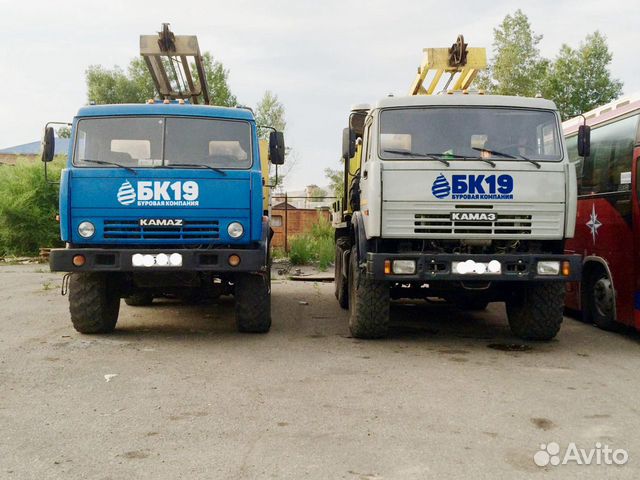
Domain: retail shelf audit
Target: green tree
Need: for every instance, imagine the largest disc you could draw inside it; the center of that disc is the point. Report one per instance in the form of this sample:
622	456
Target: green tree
579	79
270	113
136	85
336	181
517	67
28	207
112	86
217	80
64	132
316	193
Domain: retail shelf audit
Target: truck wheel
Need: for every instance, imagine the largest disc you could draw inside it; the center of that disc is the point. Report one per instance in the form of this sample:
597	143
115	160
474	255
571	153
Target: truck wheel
253	303
94	303
139	299
368	303
536	310
339	280
600	300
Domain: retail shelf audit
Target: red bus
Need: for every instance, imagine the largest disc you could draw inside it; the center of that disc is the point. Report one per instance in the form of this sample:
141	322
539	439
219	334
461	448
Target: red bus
608	217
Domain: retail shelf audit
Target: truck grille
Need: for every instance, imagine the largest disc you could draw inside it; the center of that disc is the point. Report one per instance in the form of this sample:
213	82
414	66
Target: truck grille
441	223
433	220
190	230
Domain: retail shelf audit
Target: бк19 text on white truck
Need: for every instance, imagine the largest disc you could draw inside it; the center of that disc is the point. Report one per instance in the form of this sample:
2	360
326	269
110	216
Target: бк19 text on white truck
465	197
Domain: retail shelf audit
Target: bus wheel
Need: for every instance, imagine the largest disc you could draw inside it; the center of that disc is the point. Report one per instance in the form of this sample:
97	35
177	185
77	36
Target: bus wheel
600	301
535	310
368	303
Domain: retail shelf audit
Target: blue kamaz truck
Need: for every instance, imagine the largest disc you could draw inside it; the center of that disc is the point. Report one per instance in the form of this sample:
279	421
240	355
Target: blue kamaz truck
165	199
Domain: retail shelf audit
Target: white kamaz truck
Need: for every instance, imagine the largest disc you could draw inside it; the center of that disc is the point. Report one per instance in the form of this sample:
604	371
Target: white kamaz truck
461	196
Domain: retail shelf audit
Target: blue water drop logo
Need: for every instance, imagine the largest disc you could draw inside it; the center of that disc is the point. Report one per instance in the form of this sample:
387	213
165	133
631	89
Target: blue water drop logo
441	187
126	193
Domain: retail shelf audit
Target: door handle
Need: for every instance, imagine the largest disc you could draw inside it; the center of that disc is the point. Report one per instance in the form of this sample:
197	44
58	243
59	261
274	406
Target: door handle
365	174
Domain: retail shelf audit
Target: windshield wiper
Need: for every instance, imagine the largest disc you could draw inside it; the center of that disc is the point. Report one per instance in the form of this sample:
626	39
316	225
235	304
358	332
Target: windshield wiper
508	155
432	156
196	165
104	162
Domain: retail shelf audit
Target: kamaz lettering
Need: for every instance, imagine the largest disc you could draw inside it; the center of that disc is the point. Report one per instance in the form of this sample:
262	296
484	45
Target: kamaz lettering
474	216
161	222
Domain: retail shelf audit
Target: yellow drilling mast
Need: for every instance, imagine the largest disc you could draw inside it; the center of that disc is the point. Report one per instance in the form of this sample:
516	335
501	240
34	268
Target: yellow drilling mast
460	63
456	61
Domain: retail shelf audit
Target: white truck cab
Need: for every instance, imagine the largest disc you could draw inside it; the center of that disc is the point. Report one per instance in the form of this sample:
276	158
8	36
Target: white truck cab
464	196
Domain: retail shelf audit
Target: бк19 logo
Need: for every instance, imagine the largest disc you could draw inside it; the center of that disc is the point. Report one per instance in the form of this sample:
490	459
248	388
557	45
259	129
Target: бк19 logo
162	193
474	187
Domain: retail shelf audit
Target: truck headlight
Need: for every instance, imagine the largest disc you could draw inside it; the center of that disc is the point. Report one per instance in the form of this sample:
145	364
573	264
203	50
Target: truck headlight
235	229
404	267
547	267
86	229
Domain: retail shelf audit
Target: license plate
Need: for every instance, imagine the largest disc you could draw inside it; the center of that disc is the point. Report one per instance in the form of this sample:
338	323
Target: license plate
471	267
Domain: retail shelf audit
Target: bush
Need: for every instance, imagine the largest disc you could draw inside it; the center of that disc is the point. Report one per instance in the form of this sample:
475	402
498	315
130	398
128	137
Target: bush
315	246
28	206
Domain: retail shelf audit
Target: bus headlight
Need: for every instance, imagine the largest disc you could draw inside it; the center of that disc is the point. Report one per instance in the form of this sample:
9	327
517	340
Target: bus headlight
86	229
235	229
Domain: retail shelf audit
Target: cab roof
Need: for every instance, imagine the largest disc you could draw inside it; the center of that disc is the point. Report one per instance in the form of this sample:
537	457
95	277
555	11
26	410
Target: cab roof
172	109
471	99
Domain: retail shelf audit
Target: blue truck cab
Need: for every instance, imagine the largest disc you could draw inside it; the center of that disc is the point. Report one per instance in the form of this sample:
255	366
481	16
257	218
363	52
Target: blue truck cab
164	199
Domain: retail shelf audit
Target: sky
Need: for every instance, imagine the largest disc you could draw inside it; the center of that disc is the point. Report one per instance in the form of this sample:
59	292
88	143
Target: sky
319	57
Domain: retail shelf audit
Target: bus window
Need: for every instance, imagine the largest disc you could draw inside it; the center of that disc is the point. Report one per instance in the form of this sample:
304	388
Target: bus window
611	155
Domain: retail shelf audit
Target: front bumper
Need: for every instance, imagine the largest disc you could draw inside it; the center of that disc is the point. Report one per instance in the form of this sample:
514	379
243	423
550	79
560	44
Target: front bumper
432	267
119	260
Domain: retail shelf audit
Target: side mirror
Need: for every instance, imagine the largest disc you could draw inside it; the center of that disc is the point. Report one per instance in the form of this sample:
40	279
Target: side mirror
276	148
348	144
584	140
48	144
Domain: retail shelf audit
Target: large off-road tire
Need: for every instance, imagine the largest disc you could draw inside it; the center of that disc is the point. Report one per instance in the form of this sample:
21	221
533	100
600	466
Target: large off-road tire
535	310
368	303
339	281
139	299
94	302
600	301
253	303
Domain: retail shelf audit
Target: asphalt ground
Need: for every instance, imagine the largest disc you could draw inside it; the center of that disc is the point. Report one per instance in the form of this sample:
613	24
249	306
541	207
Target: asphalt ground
176	392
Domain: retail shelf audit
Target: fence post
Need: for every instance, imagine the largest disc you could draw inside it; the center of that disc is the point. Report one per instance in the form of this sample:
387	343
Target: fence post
286	223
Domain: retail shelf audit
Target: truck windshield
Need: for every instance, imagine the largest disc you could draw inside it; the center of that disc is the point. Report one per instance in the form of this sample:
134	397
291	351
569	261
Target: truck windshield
469	132
136	142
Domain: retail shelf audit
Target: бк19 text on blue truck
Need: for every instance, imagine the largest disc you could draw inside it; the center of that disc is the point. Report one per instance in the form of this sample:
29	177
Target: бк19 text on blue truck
165	198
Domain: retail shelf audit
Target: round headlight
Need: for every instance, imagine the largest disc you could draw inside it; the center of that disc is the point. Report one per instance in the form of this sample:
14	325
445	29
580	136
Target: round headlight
235	230
86	229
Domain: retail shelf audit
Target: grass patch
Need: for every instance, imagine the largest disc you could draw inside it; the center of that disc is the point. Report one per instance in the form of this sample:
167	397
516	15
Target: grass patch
317	246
